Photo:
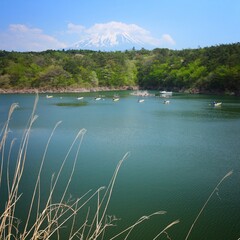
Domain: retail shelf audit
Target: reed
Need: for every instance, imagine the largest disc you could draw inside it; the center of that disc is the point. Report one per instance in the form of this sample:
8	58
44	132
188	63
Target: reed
48	221
207	201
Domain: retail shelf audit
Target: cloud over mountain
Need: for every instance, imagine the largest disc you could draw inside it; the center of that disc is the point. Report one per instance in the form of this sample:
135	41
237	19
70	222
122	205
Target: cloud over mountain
101	36
116	35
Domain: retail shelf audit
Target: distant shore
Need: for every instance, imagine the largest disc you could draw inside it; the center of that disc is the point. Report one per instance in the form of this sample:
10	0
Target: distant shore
101	89
64	90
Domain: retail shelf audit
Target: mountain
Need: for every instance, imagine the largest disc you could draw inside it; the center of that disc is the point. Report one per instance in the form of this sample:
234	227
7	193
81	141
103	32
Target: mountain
113	36
110	41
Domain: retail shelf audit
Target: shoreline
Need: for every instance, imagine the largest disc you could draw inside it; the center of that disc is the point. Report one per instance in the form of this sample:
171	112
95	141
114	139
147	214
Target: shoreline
65	90
100	89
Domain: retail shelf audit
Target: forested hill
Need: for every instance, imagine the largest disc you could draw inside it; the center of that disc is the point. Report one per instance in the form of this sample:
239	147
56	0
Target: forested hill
210	69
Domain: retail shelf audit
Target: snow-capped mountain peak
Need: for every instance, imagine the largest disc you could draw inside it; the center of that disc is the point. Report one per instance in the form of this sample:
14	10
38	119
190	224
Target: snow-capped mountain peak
109	40
114	36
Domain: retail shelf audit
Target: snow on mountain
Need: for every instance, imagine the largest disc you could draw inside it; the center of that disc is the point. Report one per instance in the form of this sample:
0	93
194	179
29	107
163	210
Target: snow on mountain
109	41
114	36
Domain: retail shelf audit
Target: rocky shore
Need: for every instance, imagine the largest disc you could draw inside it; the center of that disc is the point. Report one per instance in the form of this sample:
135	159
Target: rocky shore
63	90
102	89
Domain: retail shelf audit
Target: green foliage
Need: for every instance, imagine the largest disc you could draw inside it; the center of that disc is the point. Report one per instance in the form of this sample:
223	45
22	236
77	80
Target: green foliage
212	69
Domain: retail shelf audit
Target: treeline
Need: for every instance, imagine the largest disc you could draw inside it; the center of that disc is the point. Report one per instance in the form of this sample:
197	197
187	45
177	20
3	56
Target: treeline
210	69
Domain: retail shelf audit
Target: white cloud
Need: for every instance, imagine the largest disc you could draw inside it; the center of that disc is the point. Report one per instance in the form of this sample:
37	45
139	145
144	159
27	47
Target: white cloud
167	39
20	37
100	32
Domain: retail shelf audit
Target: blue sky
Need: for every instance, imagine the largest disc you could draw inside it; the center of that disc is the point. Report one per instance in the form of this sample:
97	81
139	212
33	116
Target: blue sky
31	25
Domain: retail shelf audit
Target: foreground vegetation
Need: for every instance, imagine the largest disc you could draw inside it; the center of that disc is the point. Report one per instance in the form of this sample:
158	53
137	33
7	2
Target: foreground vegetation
209	69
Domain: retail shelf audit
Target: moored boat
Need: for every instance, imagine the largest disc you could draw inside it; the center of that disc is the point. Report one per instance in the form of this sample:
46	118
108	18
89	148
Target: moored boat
165	94
217	104
166	101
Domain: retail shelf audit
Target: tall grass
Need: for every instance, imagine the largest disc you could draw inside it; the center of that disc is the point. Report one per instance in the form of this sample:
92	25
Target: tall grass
207	201
46	219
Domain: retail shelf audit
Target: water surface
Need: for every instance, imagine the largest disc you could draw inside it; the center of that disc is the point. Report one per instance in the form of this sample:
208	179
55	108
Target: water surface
178	154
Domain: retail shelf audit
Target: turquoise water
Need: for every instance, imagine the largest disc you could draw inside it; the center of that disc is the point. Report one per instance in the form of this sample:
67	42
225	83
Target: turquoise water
178	154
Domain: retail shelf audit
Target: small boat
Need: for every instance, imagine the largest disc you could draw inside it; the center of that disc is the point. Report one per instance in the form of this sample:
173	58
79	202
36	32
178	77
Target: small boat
79	98
165	94
116	98
141	100
217	104
49	96
97	98
166	101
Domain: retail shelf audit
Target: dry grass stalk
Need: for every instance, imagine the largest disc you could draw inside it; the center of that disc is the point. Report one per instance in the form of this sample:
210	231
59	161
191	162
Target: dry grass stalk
205	204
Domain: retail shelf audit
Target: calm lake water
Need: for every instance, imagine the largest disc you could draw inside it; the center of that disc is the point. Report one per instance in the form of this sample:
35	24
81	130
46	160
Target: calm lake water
178	154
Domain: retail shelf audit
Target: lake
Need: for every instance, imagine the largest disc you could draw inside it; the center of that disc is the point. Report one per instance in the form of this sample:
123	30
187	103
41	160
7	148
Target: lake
178	153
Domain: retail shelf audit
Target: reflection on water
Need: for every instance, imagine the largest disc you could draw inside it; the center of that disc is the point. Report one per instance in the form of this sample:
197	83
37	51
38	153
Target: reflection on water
178	153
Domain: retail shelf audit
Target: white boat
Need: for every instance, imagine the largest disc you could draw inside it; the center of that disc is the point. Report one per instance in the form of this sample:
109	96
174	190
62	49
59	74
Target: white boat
166	101
217	104
165	94
115	99
79	98
97	98
141	100
49	96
